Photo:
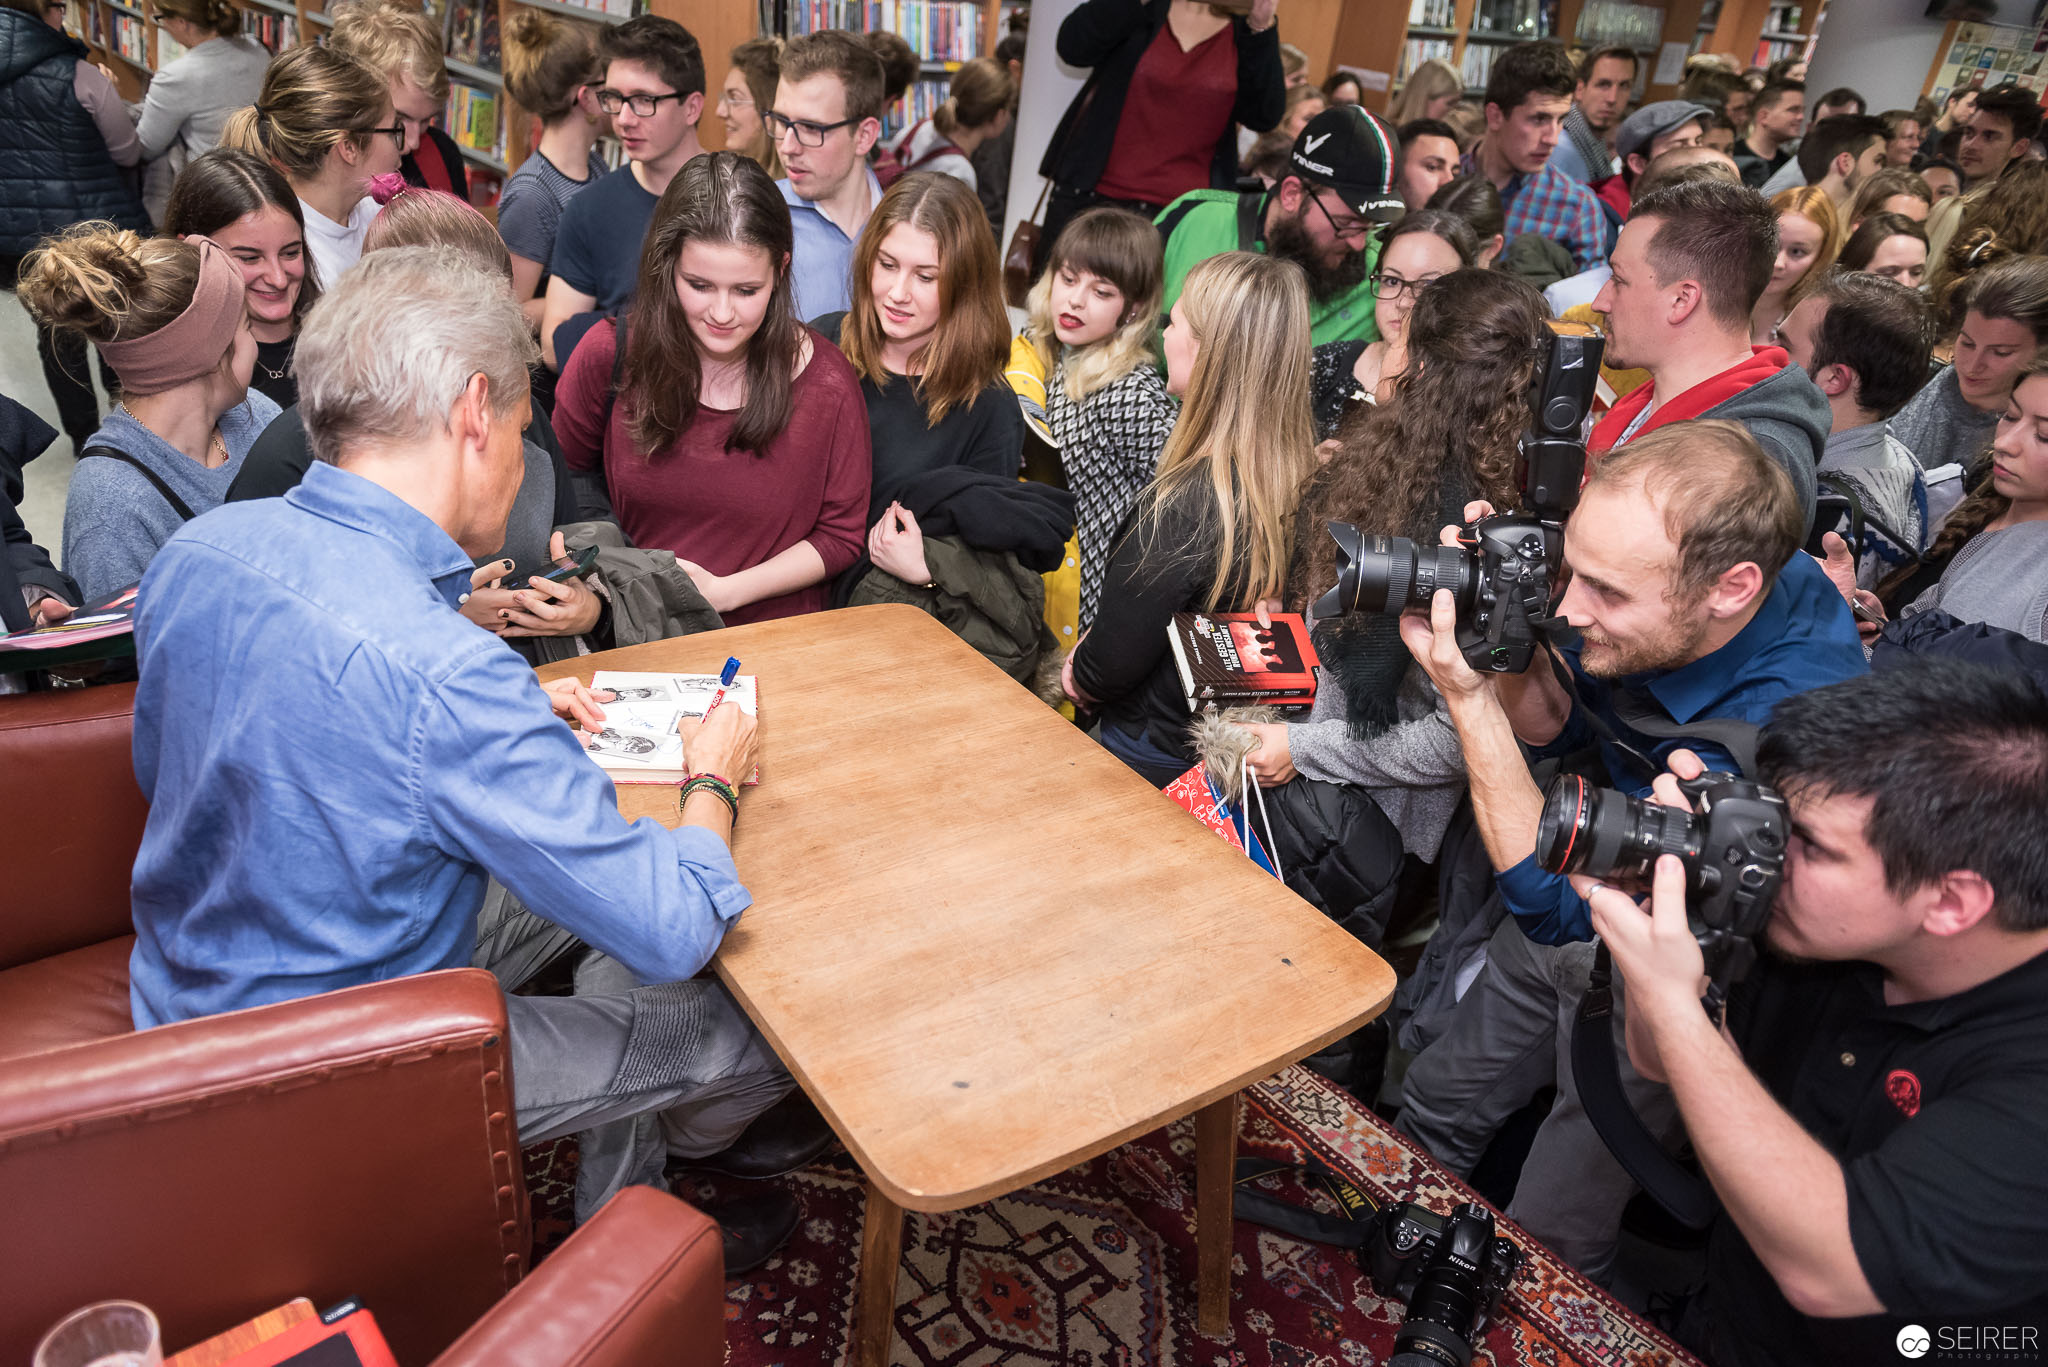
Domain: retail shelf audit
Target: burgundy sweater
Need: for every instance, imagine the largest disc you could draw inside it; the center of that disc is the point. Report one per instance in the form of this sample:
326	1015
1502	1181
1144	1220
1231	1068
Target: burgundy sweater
731	510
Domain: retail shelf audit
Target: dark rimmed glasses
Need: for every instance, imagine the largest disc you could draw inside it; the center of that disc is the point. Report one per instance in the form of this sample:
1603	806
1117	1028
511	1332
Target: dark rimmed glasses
642	105
808	134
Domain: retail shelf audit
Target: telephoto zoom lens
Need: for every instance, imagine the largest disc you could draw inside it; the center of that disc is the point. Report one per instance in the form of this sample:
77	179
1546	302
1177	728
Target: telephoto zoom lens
1605	834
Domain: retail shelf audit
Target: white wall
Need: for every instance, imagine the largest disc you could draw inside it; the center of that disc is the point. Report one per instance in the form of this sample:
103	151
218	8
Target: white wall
1881	48
1049	87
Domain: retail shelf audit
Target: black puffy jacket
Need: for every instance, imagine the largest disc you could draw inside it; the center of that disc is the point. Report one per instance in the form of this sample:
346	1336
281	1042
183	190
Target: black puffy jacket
55	169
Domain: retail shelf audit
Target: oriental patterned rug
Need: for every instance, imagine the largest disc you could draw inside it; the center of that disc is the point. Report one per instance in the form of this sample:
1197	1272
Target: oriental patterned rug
1095	1267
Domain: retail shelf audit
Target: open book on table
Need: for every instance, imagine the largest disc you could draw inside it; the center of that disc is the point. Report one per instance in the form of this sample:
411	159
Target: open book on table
640	742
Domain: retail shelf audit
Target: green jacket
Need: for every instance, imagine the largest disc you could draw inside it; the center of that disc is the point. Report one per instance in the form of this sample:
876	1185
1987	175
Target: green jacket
984	597
1205	223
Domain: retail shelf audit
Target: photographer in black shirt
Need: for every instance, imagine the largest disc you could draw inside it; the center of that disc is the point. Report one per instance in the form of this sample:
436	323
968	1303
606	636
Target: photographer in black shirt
1875	1119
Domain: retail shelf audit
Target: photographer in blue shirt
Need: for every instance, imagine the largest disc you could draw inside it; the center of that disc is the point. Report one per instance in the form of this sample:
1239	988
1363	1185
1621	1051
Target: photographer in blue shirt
343	770
1693	603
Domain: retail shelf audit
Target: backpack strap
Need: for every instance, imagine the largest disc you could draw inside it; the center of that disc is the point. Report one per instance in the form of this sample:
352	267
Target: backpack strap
178	505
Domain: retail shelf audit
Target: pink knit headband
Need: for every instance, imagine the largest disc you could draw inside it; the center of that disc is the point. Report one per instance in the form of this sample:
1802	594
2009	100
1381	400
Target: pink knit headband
191	344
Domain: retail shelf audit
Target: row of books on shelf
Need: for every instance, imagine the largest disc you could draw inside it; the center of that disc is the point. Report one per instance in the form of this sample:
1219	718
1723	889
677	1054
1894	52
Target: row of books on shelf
472	33
1434	13
1477	64
923	100
1416	51
940	30
275	31
474	118
131	39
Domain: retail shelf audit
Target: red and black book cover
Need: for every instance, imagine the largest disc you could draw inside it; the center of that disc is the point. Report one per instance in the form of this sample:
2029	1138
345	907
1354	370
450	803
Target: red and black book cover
1229	657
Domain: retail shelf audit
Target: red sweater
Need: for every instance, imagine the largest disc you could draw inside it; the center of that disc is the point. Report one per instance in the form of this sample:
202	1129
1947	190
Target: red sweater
732	510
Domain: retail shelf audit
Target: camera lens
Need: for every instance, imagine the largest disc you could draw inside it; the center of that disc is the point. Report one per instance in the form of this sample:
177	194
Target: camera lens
1603	834
1394	574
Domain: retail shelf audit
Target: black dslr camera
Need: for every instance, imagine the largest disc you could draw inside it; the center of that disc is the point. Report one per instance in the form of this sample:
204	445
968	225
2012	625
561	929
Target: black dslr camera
1503	570
1732	845
1450	1270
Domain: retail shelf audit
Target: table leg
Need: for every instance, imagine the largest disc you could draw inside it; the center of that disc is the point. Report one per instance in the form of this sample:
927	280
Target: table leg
881	1254
1215	1169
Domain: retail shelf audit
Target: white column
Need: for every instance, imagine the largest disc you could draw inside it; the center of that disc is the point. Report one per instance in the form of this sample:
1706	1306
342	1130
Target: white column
1049	87
1879	48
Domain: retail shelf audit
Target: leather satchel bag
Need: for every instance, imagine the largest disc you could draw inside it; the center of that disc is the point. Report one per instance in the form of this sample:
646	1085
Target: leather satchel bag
1023	251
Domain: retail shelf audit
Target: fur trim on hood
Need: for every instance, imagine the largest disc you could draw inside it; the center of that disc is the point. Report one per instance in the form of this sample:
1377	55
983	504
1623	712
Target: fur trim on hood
1221	743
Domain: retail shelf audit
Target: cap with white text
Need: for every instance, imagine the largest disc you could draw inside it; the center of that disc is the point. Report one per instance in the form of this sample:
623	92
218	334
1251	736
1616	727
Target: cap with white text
1355	153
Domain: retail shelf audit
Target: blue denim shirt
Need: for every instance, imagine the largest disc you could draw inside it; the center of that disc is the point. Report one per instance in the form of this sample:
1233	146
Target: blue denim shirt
1801	638
821	256
336	760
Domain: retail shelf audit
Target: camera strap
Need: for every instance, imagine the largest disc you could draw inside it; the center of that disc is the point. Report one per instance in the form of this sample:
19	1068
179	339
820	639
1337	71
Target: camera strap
1596	1065
1348	1228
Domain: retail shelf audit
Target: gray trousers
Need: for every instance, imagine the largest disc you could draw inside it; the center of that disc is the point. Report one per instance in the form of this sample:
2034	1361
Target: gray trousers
1509	1038
637	1073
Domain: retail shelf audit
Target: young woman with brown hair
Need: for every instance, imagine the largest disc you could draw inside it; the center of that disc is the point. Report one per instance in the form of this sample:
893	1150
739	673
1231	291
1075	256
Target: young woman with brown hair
325	120
187	103
1407	467
241	202
928	337
1215	529
552	70
747	92
738	440
170	317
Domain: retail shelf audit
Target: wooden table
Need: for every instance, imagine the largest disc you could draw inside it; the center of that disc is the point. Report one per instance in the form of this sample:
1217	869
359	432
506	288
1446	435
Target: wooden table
987	949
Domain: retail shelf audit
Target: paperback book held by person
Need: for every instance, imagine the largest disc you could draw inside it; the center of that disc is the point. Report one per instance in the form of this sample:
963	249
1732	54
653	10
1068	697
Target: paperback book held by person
1227	657
104	631
640	743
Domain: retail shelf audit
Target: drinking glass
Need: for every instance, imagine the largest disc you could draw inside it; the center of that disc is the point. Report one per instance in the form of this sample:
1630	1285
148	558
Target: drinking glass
109	1334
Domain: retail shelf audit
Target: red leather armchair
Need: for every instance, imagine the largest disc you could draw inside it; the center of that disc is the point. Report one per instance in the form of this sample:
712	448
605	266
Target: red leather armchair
359	1143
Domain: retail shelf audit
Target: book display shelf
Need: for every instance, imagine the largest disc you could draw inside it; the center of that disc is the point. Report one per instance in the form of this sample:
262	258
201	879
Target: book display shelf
494	134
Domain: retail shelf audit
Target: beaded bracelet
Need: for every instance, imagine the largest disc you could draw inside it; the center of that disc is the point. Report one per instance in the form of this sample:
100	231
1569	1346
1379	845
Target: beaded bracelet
707	783
706	773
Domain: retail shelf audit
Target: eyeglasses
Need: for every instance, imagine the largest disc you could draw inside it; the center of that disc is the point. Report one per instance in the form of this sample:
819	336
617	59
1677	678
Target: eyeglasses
727	100
1393	286
612	101
397	134
808	134
1349	229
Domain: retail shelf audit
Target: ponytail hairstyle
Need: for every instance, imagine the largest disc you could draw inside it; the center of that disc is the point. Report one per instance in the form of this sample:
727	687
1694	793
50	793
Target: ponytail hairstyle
724	199
967	353
110	284
1811	203
759	62
313	99
221	18
547	59
1124	249
1245	442
393	40
981	89
416	217
222	185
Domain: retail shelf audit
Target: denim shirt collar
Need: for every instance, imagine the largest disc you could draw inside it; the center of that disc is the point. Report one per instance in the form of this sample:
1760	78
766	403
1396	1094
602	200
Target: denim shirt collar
1689	690
797	203
352	501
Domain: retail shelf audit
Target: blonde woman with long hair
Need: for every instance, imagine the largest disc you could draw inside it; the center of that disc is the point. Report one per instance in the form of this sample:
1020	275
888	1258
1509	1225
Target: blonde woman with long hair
1214	531
1809	239
1093	317
1429	92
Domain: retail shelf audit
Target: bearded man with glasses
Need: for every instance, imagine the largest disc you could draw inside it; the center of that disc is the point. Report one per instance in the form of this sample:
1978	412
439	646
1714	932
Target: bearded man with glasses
1324	215
654	91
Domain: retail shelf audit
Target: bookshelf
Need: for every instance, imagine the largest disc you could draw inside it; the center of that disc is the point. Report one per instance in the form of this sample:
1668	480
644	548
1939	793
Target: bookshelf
945	33
494	134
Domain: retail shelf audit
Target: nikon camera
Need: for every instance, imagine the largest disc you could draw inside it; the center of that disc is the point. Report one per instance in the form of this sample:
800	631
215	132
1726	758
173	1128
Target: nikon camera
1732	845
1503	570
1450	1270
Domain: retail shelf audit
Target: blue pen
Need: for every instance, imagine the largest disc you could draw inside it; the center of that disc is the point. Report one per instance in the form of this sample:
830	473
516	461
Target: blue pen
725	678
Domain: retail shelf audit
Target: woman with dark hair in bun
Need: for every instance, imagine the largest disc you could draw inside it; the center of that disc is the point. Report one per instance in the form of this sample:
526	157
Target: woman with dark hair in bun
242	203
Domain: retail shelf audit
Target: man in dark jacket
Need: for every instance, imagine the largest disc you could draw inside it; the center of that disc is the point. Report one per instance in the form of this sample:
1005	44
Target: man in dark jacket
1691	263
33	592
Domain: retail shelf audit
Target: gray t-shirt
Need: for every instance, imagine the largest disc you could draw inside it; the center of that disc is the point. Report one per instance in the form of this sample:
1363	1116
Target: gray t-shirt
2000	578
531	206
1939	426
115	519
187	105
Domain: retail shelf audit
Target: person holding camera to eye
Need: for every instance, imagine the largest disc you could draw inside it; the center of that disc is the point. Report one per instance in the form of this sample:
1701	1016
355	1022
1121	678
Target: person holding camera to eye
1692	609
1874	1119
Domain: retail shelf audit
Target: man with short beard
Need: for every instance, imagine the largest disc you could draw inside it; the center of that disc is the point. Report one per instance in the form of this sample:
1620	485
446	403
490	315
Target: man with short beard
1694	606
1323	215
